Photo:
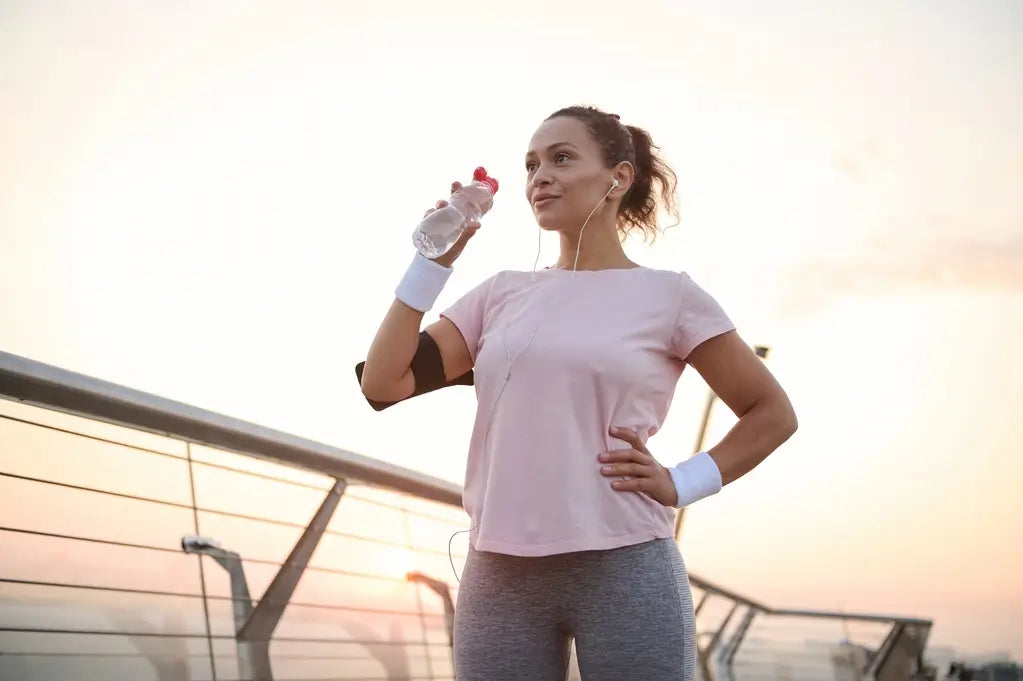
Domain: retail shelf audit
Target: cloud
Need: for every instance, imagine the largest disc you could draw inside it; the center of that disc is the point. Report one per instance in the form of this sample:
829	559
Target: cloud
994	264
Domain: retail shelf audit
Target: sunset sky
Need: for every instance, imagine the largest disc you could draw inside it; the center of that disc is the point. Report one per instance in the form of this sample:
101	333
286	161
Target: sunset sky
213	203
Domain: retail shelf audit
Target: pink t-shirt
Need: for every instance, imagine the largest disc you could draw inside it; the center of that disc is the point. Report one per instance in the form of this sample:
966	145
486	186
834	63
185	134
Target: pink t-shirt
585	352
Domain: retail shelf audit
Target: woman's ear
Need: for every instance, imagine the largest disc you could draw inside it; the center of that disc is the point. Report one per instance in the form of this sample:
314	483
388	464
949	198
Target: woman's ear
622	178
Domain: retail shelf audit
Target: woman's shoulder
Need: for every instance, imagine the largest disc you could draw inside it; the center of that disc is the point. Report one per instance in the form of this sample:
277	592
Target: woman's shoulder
648	280
679	280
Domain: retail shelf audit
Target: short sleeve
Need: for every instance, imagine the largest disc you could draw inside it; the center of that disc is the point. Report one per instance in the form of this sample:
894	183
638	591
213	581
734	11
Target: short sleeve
700	318
468	314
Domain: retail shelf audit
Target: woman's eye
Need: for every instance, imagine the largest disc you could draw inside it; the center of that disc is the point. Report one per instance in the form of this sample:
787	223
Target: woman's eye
560	157
530	166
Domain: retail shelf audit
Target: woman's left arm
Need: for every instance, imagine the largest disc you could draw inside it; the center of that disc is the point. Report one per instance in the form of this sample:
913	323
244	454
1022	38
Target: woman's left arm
766	420
742	381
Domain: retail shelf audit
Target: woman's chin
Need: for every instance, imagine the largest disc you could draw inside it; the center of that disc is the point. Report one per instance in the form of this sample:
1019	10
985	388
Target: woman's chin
549	223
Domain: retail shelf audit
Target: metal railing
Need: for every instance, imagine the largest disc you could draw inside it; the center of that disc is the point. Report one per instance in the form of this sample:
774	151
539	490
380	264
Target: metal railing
136	531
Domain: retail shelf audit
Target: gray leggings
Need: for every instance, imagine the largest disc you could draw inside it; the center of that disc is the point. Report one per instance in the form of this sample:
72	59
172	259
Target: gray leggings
629	610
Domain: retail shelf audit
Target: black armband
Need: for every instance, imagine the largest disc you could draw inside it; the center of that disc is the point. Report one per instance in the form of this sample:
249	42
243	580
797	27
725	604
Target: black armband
427	369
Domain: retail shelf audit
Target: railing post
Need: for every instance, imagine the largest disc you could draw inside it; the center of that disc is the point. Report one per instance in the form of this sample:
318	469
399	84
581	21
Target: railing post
901	651
703	600
727	656
708	650
879	660
266	615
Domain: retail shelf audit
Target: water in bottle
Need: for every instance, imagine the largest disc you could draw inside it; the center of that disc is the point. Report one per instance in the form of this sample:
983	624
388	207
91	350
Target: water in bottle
439	230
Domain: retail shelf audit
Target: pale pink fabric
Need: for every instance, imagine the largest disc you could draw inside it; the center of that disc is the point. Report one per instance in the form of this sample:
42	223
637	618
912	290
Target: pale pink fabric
608	348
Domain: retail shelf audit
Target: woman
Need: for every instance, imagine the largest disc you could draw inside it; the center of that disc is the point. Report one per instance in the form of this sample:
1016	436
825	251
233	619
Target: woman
575	367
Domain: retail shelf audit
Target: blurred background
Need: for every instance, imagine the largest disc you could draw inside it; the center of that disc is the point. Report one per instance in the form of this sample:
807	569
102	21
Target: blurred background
212	202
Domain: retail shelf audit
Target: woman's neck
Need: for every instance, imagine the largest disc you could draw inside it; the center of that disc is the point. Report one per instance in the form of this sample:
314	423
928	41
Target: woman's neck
601	250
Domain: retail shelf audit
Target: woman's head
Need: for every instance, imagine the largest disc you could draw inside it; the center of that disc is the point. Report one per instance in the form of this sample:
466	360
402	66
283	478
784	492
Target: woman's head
575	156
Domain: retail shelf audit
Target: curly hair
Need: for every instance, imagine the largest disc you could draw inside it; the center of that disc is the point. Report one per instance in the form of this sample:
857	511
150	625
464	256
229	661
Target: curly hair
655	182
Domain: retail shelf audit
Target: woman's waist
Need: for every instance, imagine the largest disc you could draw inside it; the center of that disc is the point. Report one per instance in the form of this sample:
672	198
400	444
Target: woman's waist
573	494
531	534
567	436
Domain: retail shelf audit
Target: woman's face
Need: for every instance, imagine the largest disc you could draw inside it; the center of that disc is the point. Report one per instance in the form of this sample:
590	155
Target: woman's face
566	177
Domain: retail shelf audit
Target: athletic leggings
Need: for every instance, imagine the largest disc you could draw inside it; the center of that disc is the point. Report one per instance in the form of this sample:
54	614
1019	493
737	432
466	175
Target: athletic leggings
629	610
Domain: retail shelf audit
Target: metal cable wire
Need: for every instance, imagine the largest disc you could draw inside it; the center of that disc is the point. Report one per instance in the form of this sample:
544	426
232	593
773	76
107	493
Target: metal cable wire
178	552
228	514
212	597
224	637
241	471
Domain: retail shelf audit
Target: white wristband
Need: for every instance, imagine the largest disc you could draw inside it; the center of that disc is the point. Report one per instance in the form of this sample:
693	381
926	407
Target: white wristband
423	281
695	478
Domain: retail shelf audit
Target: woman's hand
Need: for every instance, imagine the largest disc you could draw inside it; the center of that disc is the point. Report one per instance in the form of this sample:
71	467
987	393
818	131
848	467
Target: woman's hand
456	249
643	472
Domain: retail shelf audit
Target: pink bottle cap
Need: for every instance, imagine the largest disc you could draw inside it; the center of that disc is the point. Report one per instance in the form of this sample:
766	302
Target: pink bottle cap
480	175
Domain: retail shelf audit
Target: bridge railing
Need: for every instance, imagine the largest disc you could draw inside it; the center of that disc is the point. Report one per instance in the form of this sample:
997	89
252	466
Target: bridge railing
147	539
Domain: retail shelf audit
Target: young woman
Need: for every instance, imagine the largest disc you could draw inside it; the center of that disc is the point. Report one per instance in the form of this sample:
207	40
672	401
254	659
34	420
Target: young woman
575	367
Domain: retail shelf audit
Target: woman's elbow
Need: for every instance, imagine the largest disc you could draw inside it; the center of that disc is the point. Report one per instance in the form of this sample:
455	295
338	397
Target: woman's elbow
383	389
371	391
785	417
376	390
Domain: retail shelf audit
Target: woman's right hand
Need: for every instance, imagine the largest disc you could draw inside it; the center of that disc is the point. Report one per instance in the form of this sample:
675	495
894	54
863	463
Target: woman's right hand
452	254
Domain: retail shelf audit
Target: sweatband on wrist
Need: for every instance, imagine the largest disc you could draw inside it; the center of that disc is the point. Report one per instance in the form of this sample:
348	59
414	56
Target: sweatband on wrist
423	281
695	478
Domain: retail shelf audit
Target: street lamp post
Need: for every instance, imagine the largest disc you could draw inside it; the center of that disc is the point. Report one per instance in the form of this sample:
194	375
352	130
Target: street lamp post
255	625
253	656
761	352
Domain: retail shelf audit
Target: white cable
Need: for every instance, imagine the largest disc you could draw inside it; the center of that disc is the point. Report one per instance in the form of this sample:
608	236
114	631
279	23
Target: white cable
450	558
539	234
579	241
511	360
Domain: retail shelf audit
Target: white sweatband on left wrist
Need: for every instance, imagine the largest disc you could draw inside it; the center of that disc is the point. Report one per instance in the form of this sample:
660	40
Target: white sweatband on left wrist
695	478
423	281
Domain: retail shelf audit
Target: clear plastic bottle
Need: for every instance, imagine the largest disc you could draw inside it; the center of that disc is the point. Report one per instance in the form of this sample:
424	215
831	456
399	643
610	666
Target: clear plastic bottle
439	230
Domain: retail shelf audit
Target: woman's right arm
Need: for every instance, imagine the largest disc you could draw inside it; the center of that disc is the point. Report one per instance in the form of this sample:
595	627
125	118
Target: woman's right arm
387	375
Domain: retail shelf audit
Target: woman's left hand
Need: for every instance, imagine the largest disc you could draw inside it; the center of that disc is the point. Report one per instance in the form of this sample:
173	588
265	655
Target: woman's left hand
646	475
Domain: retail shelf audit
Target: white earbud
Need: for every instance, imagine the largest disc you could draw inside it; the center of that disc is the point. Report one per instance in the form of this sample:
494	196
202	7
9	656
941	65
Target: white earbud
614	184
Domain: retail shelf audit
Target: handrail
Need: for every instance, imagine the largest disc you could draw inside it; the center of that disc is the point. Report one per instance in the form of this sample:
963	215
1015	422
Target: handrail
58	389
48	386
860	617
710	587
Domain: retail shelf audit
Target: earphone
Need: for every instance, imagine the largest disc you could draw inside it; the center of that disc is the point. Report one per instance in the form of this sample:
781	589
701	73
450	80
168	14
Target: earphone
614	185
510	359
579	241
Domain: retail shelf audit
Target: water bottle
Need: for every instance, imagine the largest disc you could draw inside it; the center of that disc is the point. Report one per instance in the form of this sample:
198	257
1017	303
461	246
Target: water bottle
439	230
